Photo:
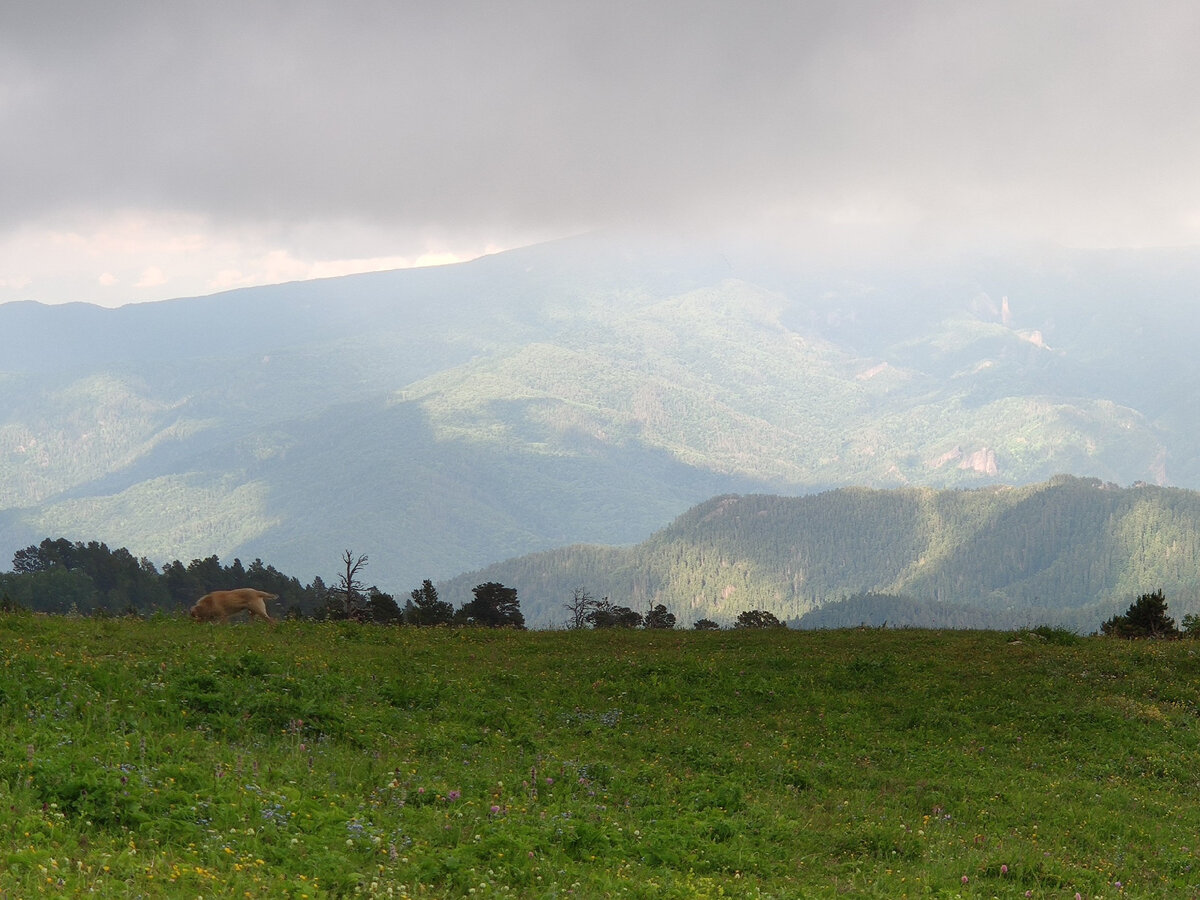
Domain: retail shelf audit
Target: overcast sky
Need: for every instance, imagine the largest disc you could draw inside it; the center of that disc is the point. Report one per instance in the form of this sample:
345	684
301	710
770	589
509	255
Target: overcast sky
166	149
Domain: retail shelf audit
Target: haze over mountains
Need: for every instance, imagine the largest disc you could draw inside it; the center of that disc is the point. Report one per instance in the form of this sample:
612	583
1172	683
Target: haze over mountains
441	420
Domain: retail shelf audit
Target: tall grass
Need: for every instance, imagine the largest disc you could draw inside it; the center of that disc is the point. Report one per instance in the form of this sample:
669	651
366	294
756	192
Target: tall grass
160	758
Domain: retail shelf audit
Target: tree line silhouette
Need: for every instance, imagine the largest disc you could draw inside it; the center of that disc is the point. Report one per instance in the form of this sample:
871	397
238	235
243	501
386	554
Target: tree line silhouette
60	576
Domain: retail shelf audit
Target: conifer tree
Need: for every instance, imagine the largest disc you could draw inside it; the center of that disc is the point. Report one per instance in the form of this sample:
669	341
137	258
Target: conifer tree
1146	618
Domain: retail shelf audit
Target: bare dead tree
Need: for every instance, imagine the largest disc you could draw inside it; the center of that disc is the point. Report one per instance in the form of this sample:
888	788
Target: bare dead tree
350	587
579	606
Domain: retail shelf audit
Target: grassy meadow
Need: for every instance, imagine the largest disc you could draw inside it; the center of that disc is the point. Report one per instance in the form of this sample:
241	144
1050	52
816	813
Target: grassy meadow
160	758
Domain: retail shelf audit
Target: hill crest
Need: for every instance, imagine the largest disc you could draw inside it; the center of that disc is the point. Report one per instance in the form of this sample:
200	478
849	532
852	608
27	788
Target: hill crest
1067	552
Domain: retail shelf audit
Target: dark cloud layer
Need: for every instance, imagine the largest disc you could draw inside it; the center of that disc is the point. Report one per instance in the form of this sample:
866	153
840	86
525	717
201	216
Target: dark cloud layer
1074	121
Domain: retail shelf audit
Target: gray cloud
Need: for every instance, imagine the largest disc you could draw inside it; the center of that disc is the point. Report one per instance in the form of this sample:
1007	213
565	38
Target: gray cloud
1068	120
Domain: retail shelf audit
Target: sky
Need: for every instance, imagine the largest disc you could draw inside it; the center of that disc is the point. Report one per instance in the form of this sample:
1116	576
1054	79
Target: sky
154	150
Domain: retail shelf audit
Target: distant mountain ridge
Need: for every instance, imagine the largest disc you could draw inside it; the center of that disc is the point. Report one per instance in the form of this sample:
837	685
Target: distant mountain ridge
580	391
1068	552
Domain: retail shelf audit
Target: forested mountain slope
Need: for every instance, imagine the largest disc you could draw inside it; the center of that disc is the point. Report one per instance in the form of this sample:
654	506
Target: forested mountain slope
582	391
1068	552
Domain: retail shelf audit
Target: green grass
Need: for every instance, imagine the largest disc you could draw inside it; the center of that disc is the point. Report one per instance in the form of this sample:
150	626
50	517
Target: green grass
160	758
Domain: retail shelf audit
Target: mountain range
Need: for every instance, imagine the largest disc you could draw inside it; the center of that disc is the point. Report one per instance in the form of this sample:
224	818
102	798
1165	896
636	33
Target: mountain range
1070	552
591	390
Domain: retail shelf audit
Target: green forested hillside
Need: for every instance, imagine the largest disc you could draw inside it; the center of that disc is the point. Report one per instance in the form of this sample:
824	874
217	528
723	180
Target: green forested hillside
1069	552
583	391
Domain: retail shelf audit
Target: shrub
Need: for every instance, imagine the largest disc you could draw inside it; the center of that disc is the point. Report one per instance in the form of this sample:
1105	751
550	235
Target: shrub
659	617
9	605
606	615
757	618
1054	634
1191	626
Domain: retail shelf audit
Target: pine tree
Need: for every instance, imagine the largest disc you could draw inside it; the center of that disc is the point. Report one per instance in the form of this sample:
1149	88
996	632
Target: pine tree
1146	618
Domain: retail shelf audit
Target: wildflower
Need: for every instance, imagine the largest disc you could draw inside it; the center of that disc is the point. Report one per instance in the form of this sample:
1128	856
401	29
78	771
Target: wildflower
495	810
965	879
1003	869
453	795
